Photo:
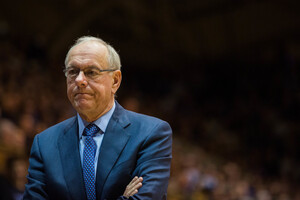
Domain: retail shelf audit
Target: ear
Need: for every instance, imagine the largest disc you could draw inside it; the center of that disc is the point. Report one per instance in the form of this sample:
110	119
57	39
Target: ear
116	79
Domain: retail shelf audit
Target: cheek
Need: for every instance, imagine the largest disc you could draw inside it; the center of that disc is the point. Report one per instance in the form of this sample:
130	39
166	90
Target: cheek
102	88
104	91
70	88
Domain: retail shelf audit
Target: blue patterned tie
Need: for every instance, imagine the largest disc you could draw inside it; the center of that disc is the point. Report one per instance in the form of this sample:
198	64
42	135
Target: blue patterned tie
89	153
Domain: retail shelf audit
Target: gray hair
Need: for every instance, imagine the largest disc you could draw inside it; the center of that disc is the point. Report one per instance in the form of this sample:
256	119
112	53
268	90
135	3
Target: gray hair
113	58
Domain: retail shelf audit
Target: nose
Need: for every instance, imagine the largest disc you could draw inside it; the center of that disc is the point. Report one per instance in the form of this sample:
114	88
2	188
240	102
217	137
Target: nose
81	80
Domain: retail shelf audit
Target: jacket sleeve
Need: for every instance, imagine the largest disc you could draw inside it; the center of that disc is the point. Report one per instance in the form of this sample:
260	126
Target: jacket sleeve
35	188
153	164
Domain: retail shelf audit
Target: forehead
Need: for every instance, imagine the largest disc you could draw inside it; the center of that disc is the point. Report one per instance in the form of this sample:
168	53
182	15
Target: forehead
88	53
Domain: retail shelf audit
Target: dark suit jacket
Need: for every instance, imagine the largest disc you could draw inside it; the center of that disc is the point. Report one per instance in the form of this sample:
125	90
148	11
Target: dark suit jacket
133	145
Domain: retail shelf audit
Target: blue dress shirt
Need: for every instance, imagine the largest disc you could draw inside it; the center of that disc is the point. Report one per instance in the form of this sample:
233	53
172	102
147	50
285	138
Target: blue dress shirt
102	123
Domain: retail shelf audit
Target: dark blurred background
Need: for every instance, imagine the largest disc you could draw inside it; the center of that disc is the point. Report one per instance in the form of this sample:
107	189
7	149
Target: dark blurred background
224	73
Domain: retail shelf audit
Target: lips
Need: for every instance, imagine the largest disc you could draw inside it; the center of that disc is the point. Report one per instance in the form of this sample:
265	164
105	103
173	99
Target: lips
82	94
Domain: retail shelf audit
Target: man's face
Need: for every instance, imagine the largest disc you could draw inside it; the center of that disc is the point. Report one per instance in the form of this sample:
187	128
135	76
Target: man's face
91	97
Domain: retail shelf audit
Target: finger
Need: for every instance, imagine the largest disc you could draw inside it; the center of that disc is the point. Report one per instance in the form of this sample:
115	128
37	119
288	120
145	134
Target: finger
133	180
136	185
138	180
132	183
133	186
134	190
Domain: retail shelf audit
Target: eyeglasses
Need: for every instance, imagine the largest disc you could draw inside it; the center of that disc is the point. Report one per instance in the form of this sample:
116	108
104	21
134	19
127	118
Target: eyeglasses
89	72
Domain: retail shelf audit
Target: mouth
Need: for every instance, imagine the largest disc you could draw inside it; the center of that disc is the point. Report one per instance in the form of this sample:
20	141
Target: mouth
82	94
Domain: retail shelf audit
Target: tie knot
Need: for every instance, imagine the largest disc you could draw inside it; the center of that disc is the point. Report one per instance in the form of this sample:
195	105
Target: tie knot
91	130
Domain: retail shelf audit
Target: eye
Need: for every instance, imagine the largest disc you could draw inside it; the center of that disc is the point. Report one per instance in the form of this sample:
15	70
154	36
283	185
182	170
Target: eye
92	72
72	71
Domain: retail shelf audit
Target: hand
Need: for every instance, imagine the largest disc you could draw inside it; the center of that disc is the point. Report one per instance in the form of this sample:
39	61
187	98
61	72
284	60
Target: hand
133	186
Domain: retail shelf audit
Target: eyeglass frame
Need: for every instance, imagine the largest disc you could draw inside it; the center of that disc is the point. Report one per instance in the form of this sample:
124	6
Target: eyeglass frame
79	70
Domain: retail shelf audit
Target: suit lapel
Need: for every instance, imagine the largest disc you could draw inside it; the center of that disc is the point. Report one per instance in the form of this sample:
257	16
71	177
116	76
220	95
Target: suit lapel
68	145
114	140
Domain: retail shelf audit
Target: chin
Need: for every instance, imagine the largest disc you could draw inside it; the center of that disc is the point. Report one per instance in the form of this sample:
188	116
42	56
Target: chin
82	106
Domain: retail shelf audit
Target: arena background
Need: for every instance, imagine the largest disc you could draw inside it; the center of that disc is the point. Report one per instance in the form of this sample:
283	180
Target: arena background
223	73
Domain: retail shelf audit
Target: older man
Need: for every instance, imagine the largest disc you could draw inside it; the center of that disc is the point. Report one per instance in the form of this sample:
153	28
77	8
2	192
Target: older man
98	152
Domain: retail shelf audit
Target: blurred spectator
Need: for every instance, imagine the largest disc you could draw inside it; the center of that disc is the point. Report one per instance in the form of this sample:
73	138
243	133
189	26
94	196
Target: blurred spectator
12	185
12	141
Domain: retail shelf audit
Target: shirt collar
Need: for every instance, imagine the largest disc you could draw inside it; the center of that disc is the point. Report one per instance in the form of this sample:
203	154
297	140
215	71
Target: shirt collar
101	122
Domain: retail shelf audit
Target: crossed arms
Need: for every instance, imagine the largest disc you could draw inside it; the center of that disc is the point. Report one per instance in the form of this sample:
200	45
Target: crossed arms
152	163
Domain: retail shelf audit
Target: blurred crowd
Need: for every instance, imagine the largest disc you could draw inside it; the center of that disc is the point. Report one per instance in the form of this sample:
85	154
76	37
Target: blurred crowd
197	175
234	145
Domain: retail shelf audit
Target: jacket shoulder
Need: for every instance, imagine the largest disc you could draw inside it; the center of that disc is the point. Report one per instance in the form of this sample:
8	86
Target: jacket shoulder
58	128
142	117
146	122
126	117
